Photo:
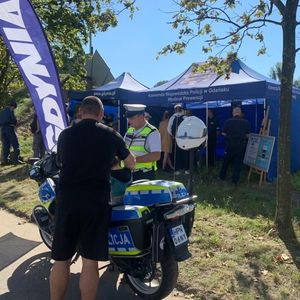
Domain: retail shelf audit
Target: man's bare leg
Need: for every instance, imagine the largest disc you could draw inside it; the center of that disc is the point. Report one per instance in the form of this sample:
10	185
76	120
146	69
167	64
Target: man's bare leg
59	279
89	279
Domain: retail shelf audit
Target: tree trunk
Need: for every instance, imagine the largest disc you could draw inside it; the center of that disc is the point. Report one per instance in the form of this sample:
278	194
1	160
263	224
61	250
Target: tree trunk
283	218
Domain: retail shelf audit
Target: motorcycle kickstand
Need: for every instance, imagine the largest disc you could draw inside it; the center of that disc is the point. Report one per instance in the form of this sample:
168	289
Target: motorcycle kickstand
110	267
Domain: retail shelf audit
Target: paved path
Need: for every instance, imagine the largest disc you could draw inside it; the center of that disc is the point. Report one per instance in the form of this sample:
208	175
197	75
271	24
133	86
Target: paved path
27	278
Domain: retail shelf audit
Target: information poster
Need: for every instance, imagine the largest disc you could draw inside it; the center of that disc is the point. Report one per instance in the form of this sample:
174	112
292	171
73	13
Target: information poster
259	151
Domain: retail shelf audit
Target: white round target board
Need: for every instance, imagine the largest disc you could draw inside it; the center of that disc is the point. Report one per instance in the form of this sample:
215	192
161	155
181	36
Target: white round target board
191	133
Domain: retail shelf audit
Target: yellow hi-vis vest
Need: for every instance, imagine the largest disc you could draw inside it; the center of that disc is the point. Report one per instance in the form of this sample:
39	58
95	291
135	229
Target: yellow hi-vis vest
136	144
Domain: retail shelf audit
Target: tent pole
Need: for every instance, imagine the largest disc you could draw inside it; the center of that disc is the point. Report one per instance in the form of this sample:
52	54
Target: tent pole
206	149
191	169
118	116
256	116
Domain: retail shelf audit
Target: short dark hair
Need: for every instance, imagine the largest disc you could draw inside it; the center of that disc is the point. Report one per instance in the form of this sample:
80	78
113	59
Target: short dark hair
91	105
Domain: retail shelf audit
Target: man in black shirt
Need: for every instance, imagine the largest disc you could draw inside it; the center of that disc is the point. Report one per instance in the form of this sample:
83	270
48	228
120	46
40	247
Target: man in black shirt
236	132
213	129
85	152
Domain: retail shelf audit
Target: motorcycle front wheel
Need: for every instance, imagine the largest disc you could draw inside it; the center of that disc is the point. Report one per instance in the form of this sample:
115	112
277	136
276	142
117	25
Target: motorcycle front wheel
159	283
47	238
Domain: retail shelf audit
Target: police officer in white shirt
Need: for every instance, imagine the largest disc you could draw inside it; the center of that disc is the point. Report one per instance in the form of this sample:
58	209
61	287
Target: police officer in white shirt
143	140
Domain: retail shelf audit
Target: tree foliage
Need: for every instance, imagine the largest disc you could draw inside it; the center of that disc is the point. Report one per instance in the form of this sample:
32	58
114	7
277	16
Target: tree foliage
68	25
222	27
161	82
226	24
275	73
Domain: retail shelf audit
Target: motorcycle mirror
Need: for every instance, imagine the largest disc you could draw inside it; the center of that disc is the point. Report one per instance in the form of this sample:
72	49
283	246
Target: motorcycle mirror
191	133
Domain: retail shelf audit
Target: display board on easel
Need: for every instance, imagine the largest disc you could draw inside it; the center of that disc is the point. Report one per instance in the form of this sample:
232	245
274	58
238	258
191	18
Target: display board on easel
259	151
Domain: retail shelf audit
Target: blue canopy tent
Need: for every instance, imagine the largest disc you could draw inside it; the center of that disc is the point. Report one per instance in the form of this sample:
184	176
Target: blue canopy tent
243	84
111	90
111	93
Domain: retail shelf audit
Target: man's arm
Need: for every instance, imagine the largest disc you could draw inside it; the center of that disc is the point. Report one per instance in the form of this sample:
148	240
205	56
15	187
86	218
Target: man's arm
129	161
170	123
149	157
122	151
225	128
13	119
248	130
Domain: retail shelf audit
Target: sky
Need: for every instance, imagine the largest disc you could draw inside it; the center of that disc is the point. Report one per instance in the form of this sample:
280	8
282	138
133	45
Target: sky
134	44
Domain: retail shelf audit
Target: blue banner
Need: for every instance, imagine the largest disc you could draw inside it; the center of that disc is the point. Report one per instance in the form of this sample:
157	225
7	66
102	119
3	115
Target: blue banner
25	38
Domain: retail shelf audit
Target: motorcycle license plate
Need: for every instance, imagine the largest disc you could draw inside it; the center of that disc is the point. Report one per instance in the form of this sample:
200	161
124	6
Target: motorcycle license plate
178	235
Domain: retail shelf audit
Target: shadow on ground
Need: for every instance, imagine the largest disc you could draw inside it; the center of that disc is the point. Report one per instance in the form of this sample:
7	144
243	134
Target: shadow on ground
293	245
30	281
14	173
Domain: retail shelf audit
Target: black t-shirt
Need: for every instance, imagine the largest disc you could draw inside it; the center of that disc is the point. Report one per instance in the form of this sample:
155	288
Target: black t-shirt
7	117
85	152
236	130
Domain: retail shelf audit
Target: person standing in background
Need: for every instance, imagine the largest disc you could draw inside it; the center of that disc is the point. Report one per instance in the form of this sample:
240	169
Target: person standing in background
213	129
166	141
77	115
8	123
38	146
236	131
180	156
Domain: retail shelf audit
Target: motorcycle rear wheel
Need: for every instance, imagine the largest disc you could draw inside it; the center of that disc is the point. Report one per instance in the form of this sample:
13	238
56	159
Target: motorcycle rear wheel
161	285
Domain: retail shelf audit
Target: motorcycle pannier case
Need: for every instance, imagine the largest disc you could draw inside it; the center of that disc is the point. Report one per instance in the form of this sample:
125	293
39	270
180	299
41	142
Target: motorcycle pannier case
154	192
130	230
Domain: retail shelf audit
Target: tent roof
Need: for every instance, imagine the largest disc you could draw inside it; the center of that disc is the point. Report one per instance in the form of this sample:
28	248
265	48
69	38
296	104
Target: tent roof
125	81
98	70
189	79
189	87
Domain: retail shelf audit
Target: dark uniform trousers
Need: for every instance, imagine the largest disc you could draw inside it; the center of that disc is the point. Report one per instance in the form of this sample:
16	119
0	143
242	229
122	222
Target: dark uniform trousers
211	150
9	138
235	155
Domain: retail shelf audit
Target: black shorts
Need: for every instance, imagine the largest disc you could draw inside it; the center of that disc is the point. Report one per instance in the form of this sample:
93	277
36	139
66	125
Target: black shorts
81	226
137	175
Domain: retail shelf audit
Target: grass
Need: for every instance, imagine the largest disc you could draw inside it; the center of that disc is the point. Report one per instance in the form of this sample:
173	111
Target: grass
236	255
18	193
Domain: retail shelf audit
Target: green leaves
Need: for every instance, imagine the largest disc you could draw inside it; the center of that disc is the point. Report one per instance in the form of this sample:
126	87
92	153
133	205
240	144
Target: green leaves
224	23
261	51
68	25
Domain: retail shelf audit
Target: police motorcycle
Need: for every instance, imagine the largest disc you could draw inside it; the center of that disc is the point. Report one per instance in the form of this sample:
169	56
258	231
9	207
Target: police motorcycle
148	233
